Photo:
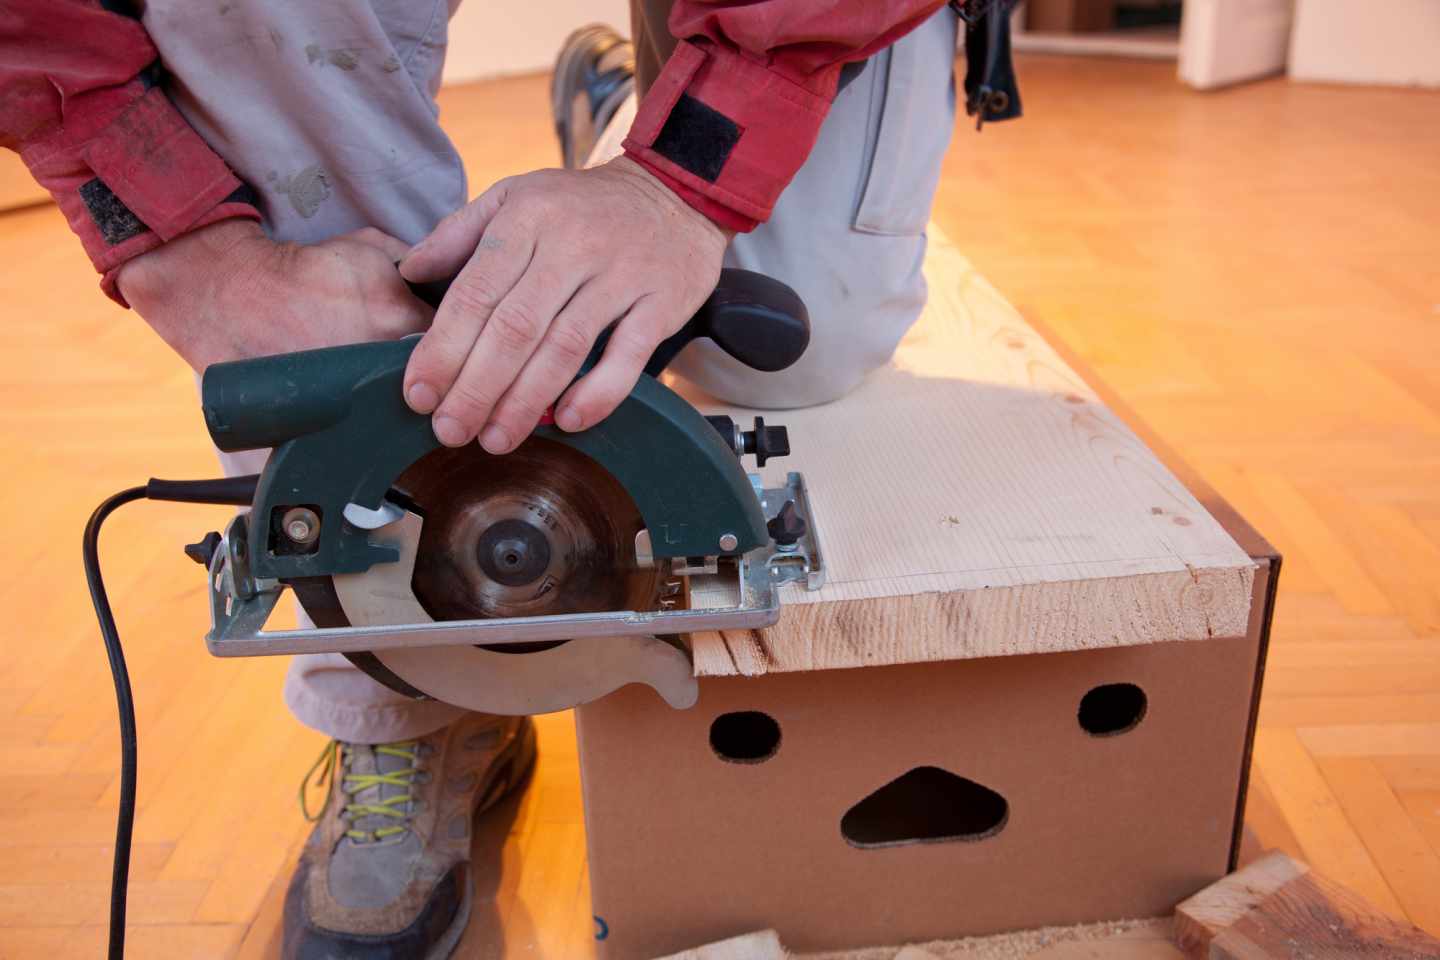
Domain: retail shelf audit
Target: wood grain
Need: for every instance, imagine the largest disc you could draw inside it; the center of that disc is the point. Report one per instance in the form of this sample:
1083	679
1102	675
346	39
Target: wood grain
1278	909
1206	915
762	945
1116	940
977	499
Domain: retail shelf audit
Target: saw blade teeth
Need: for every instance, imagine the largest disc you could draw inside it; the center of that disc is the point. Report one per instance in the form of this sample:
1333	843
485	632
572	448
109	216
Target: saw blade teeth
544	530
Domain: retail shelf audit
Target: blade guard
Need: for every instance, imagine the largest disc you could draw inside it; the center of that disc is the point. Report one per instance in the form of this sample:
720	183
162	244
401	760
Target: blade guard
341	434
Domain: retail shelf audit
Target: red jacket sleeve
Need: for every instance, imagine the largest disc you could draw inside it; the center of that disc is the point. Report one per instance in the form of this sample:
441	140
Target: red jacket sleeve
738	106
78	103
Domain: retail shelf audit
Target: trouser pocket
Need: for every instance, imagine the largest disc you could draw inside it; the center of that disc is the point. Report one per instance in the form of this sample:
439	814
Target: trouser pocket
912	112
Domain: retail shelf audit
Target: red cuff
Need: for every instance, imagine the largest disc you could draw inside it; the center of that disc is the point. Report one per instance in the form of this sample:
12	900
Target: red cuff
777	122
148	241
722	216
165	180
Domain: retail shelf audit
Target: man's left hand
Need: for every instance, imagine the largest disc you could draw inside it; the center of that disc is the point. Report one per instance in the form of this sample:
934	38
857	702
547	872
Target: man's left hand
546	261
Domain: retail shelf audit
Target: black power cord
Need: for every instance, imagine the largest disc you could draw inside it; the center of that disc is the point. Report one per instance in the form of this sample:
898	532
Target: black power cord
234	491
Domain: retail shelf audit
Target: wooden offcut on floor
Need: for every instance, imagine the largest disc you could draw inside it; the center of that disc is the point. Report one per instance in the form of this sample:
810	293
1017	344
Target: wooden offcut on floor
1276	908
1253	272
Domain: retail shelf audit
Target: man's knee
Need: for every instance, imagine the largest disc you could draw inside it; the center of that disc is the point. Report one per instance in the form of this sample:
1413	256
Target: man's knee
860	308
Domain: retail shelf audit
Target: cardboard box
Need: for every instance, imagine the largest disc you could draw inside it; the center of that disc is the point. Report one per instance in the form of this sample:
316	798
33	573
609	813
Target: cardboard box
1056	824
878	804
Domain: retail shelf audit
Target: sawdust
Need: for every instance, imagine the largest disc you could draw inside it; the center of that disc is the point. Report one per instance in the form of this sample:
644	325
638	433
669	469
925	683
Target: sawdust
1005	946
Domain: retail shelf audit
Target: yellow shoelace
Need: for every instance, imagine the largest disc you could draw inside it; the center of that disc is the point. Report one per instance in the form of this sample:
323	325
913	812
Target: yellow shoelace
353	783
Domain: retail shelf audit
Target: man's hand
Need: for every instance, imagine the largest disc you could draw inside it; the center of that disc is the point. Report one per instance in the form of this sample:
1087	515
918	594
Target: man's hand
226	291
546	262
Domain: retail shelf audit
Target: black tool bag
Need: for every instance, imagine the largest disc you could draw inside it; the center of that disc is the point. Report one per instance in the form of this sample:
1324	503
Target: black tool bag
991	90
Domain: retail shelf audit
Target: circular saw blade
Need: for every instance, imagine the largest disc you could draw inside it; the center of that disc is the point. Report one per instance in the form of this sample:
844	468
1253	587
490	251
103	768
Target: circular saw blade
542	530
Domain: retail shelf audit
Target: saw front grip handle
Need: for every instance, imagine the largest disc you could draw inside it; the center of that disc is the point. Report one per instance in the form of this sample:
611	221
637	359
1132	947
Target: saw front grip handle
756	319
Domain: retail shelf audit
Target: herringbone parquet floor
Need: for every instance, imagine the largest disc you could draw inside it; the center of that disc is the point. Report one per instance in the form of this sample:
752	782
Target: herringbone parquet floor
1254	272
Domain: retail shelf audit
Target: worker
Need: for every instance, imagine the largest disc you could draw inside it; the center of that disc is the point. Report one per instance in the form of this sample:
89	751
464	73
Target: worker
246	174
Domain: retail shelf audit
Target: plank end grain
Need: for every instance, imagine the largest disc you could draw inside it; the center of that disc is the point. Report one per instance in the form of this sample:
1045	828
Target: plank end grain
1279	909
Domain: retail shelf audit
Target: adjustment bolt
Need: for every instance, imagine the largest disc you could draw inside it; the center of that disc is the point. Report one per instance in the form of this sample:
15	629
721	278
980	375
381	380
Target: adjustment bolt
787	527
728	542
766	442
203	551
300	524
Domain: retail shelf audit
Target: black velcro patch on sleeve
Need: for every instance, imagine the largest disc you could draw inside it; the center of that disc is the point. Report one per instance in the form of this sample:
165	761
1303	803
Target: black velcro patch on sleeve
697	137
116	221
243	194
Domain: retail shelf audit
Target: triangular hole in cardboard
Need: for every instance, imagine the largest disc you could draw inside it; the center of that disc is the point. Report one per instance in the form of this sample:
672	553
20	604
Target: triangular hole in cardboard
925	805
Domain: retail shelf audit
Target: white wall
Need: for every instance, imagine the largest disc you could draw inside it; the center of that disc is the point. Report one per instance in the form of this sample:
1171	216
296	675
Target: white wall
1364	41
1231	41
491	38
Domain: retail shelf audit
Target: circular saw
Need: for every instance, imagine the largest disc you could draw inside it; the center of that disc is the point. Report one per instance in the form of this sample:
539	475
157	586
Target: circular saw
522	583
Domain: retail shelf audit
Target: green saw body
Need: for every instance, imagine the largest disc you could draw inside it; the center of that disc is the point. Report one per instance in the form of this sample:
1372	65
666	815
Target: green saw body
341	434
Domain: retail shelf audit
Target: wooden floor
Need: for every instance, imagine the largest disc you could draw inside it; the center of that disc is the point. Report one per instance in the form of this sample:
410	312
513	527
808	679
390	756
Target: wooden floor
1254	271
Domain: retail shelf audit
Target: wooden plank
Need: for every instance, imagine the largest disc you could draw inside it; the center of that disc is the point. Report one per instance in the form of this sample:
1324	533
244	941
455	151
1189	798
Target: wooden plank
1112	940
1326	838
762	945
198	941
1372	740
1413	774
1034	521
1121	940
1204	916
81	902
1396	844
1376	708
1424	810
1311	536
1265	823
1384	537
1278	909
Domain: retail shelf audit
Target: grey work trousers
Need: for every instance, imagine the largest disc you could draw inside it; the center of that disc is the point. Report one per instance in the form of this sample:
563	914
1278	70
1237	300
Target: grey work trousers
328	110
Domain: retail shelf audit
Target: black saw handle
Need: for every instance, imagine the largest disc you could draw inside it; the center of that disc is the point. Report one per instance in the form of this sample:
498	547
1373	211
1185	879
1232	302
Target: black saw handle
756	319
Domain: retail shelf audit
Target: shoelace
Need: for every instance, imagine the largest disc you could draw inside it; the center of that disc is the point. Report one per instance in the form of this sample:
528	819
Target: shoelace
353	783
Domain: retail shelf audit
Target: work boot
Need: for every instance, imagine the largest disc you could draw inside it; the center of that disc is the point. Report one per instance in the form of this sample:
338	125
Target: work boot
594	73
386	872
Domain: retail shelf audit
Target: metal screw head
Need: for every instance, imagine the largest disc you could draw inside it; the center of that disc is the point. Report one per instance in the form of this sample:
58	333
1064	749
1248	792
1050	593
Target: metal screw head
300	524
728	541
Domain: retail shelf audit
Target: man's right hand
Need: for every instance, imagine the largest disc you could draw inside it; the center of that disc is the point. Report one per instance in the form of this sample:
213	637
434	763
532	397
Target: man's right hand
226	292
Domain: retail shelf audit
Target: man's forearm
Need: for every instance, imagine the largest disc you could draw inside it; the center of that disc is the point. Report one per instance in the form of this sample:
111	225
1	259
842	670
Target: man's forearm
169	284
81	109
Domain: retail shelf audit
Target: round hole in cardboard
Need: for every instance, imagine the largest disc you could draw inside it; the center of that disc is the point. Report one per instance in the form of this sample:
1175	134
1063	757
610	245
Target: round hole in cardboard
745	736
1112	709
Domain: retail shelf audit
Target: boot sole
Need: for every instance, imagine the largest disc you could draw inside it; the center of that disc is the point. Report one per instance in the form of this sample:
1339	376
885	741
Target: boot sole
510	772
